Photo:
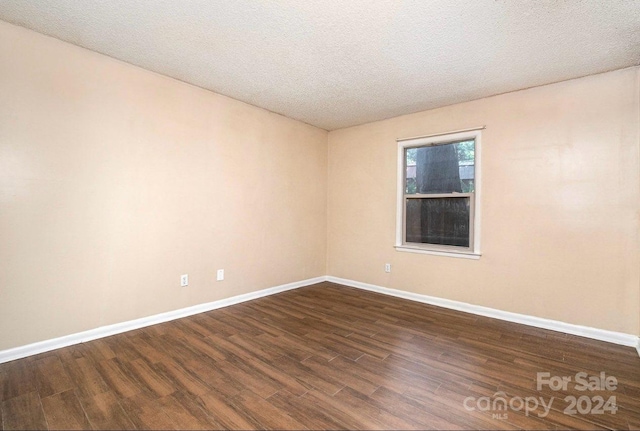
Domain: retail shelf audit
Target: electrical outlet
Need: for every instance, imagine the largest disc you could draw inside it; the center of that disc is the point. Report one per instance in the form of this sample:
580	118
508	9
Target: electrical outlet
387	267
184	280
220	275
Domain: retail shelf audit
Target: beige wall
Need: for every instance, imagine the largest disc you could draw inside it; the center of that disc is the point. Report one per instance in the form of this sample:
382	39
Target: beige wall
560	203
115	180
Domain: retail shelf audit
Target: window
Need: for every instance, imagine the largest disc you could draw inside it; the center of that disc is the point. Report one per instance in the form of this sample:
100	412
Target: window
438	194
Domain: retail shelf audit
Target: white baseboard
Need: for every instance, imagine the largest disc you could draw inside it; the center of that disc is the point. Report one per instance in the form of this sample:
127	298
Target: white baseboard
105	331
538	322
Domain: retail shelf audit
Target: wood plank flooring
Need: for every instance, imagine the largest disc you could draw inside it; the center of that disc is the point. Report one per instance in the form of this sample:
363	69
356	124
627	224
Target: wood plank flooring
320	357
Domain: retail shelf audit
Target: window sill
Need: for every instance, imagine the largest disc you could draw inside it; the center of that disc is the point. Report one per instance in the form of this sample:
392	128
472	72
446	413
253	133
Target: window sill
460	255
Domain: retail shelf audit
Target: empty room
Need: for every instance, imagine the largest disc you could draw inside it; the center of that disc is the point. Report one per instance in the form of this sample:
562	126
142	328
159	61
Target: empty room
379	214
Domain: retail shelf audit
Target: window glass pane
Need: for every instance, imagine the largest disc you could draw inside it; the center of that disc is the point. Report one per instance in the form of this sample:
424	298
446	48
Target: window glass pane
443	168
466	165
442	221
410	171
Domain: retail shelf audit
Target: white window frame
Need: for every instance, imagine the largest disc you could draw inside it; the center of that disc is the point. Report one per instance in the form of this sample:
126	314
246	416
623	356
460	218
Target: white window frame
473	252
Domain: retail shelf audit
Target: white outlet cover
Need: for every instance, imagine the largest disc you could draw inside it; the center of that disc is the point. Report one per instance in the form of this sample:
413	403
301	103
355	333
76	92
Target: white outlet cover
220	275
184	280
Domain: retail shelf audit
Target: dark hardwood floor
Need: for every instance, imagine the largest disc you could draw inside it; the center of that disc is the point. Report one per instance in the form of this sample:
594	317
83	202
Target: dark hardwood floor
320	357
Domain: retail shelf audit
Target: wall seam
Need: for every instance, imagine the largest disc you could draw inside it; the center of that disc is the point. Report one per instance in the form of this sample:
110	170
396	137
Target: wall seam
637	107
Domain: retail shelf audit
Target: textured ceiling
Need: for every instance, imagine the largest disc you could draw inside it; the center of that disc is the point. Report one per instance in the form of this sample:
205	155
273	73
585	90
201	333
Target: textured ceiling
337	63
